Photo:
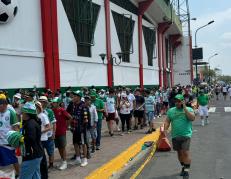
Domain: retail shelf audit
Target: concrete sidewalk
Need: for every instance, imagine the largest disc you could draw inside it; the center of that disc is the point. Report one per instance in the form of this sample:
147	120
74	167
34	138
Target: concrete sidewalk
110	148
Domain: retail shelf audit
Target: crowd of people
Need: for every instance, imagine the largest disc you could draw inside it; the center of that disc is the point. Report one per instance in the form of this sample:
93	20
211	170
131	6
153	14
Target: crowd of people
43	119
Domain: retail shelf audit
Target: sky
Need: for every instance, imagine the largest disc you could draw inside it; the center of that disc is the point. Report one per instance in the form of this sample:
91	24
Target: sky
215	38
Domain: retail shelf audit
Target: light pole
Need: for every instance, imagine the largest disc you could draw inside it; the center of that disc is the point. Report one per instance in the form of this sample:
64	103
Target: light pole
209	64
196	40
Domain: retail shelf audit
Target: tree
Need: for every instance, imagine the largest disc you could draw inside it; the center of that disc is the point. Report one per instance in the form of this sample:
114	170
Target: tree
208	73
225	78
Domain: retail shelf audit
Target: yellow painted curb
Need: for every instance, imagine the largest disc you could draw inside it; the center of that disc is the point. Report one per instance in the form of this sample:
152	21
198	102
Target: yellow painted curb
117	163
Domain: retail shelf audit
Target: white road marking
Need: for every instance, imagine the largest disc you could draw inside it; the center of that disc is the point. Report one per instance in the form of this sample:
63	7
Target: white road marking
212	109
227	109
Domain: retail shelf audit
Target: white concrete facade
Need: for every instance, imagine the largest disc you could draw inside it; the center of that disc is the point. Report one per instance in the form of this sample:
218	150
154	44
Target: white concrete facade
182	74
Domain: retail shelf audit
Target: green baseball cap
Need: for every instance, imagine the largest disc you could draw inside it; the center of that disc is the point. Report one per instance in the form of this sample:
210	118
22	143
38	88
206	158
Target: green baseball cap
29	108
56	100
78	93
179	97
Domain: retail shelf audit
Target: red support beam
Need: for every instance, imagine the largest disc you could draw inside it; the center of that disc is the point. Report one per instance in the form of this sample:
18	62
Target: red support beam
143	6
108	43
173	39
55	43
162	28
50	43
190	56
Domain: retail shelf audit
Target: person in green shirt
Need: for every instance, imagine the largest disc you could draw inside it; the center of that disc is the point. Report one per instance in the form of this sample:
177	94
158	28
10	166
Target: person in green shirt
202	102
99	104
180	117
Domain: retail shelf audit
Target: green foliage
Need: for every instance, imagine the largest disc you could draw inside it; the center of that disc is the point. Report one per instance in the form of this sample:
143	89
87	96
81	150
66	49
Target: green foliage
225	78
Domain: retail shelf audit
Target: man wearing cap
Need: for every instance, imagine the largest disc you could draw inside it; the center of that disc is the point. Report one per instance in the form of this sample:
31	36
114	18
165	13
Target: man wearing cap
62	117
202	102
49	144
81	119
180	118
8	121
99	104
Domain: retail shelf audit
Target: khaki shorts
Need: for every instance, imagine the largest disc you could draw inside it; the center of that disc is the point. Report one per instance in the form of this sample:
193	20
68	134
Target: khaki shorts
181	143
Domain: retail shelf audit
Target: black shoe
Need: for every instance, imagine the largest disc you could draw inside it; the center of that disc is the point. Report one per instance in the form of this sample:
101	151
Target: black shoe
185	175
153	130
182	172
93	150
97	147
148	132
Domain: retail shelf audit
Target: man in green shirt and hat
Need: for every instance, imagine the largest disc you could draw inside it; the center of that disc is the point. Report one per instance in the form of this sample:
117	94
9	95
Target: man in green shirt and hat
202	102
99	104
180	118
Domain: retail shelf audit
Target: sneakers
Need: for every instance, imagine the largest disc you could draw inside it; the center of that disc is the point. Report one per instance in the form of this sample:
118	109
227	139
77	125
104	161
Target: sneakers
206	121
77	161
118	129
202	122
84	162
182	172
185	175
97	147
63	165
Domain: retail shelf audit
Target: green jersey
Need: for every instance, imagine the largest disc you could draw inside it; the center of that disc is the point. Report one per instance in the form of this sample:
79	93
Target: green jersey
181	125
203	100
99	104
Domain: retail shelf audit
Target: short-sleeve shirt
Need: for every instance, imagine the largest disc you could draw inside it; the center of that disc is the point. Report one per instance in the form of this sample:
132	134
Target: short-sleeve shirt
45	121
51	118
149	104
7	120
110	104
61	116
139	103
181	125
203	100
131	99
99	104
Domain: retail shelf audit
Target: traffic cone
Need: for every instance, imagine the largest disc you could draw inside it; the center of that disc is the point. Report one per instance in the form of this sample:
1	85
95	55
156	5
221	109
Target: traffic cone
163	142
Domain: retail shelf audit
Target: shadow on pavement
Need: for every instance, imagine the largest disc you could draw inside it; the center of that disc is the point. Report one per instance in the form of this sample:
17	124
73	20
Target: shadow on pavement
174	176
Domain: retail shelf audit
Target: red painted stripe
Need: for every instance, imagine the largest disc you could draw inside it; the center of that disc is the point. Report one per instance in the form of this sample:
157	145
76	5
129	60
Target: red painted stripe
191	60
160	56
55	44
50	43
47	43
140	36
108	43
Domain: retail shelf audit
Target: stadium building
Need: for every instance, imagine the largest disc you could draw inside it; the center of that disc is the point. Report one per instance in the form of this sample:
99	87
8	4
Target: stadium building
60	43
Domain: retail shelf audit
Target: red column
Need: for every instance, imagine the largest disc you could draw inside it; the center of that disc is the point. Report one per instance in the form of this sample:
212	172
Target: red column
50	43
162	28
173	41
108	43
143	6
140	36
191	60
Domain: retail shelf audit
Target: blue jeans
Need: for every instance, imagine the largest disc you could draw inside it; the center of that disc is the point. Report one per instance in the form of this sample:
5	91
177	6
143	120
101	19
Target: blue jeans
31	169
99	127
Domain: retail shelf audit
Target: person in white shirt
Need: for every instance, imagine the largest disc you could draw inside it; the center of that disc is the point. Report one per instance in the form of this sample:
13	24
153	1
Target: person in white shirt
229	91
110	111
93	122
132	101
45	127
125	112
224	90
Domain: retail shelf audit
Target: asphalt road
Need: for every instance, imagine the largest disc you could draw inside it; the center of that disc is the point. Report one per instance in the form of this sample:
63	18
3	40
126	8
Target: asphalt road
210	149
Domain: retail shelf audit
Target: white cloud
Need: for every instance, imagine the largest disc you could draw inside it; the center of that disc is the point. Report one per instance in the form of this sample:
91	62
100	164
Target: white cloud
226	36
220	18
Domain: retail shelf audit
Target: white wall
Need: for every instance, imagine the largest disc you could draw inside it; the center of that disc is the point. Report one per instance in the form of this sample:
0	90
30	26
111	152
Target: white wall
82	71
21	50
182	65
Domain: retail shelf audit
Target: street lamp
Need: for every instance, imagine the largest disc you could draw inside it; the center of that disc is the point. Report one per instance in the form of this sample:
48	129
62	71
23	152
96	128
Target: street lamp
111	62
196	44
209	63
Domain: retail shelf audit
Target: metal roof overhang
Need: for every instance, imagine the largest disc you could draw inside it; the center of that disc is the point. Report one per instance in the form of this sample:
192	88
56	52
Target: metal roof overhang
160	12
